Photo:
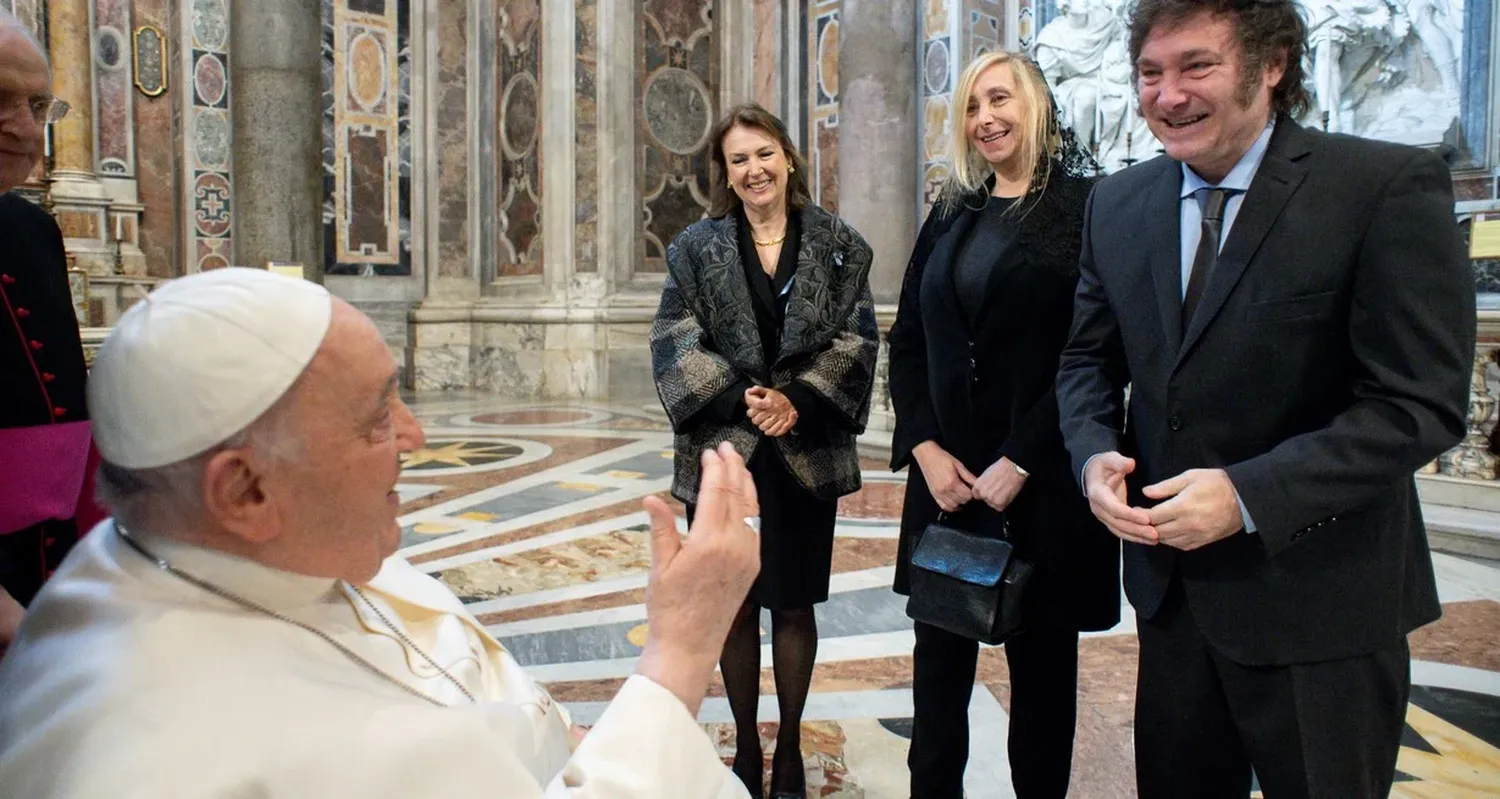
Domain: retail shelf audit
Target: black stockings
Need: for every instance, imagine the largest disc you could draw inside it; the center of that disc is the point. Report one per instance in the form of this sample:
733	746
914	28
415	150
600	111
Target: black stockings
794	647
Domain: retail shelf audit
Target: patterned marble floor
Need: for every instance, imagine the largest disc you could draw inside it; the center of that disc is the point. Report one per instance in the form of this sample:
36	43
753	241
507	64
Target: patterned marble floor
533	515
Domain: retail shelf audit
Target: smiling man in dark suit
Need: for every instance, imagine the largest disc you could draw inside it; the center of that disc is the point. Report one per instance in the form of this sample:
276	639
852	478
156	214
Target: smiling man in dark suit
1294	315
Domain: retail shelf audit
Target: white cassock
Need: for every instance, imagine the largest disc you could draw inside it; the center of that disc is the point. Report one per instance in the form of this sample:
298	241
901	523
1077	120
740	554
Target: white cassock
128	682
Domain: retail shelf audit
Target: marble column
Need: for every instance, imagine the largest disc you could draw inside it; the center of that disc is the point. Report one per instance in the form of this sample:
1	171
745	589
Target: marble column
277	120
80	204
73	81
878	141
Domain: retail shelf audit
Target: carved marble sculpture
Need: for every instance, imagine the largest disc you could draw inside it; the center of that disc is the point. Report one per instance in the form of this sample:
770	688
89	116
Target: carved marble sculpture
1386	69
1083	53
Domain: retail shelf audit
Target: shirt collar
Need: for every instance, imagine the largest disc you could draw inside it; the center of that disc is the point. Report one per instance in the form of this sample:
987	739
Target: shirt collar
273	589
1240	176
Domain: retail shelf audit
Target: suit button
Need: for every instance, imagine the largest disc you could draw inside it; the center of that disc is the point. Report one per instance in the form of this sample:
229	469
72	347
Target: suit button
23	313
1175	423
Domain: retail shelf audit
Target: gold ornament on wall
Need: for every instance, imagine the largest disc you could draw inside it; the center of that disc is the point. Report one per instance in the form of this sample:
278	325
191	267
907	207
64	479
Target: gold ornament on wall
150	48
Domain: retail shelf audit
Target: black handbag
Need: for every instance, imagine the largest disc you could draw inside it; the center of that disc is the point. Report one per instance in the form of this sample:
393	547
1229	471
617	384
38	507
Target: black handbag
967	584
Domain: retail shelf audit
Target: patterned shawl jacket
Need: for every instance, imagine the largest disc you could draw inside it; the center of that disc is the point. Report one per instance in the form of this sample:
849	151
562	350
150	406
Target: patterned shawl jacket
705	339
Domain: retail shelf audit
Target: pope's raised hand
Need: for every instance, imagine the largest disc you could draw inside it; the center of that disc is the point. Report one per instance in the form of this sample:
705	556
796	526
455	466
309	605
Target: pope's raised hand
696	585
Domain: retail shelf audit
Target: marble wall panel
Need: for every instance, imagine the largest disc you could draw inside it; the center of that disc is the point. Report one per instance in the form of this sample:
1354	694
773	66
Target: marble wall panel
112	88
941	33
518	170
678	91
452	138
983	30
367	173
823	102
158	159
586	147
206	139
767	56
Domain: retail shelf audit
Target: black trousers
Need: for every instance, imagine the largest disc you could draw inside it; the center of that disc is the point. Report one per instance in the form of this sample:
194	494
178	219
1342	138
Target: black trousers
1043	711
1311	730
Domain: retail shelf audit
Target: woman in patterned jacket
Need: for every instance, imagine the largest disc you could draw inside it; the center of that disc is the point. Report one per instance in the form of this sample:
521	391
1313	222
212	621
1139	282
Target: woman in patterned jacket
766	338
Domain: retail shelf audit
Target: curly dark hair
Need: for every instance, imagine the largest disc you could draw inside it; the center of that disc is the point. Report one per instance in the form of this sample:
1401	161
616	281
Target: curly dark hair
722	199
1269	32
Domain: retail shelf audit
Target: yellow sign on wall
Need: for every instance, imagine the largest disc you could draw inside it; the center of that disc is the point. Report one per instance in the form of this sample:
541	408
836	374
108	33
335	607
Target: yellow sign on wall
285	268
1484	237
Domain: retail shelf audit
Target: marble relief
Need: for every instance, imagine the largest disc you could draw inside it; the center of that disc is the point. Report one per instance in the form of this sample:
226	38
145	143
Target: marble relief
1394	69
207	136
518	96
677	107
366	137
113	87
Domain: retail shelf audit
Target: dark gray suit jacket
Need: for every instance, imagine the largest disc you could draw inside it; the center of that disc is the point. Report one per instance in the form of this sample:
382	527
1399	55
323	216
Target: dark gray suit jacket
1329	359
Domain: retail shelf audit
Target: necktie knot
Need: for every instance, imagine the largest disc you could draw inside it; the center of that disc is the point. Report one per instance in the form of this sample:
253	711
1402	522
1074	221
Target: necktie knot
1213	204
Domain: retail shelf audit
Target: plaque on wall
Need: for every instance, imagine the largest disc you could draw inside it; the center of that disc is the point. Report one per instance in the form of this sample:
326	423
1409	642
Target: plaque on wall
150	61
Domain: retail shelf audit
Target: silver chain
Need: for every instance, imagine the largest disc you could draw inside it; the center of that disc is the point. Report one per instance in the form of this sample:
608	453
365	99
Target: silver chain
167	567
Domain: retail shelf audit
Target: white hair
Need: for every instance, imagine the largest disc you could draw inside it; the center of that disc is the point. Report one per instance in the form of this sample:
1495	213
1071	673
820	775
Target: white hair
10	22
172	495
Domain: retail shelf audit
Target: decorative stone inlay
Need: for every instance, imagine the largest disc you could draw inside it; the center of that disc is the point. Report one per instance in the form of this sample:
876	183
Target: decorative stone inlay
210	24
678	110
211	139
211	209
366	68
518	126
935	67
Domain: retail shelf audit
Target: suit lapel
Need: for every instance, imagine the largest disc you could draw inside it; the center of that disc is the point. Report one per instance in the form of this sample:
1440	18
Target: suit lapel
1275	181
942	262
1164	248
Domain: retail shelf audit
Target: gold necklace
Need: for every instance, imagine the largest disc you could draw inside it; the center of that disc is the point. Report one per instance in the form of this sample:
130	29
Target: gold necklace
164	565
772	242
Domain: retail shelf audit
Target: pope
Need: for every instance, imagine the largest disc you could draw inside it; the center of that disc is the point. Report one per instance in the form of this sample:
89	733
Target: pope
241	627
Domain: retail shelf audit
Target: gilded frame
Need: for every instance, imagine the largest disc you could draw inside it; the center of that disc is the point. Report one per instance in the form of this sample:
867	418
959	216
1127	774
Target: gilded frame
160	49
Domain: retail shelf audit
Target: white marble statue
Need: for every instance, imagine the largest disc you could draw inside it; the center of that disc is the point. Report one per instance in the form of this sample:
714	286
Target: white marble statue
1386	69
1085	57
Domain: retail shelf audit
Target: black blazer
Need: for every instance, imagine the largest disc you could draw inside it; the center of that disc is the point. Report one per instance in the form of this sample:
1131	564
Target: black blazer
1328	360
985	390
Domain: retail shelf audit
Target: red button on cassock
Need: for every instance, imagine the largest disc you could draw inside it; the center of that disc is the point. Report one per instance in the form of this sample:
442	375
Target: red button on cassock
36	345
7	279
23	313
59	411
48	377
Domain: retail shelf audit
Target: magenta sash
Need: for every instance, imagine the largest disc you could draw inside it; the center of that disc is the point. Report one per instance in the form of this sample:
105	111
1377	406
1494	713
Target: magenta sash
42	470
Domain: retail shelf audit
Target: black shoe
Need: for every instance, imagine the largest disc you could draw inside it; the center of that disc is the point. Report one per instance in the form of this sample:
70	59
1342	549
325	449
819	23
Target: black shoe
786	785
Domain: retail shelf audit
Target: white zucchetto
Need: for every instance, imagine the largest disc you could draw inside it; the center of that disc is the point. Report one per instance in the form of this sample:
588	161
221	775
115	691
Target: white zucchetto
198	360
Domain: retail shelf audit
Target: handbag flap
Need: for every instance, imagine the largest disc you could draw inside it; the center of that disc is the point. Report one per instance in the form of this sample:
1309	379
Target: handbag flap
963	556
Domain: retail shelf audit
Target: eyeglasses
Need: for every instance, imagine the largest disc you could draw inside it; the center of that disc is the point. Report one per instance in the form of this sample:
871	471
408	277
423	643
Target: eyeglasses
44	110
